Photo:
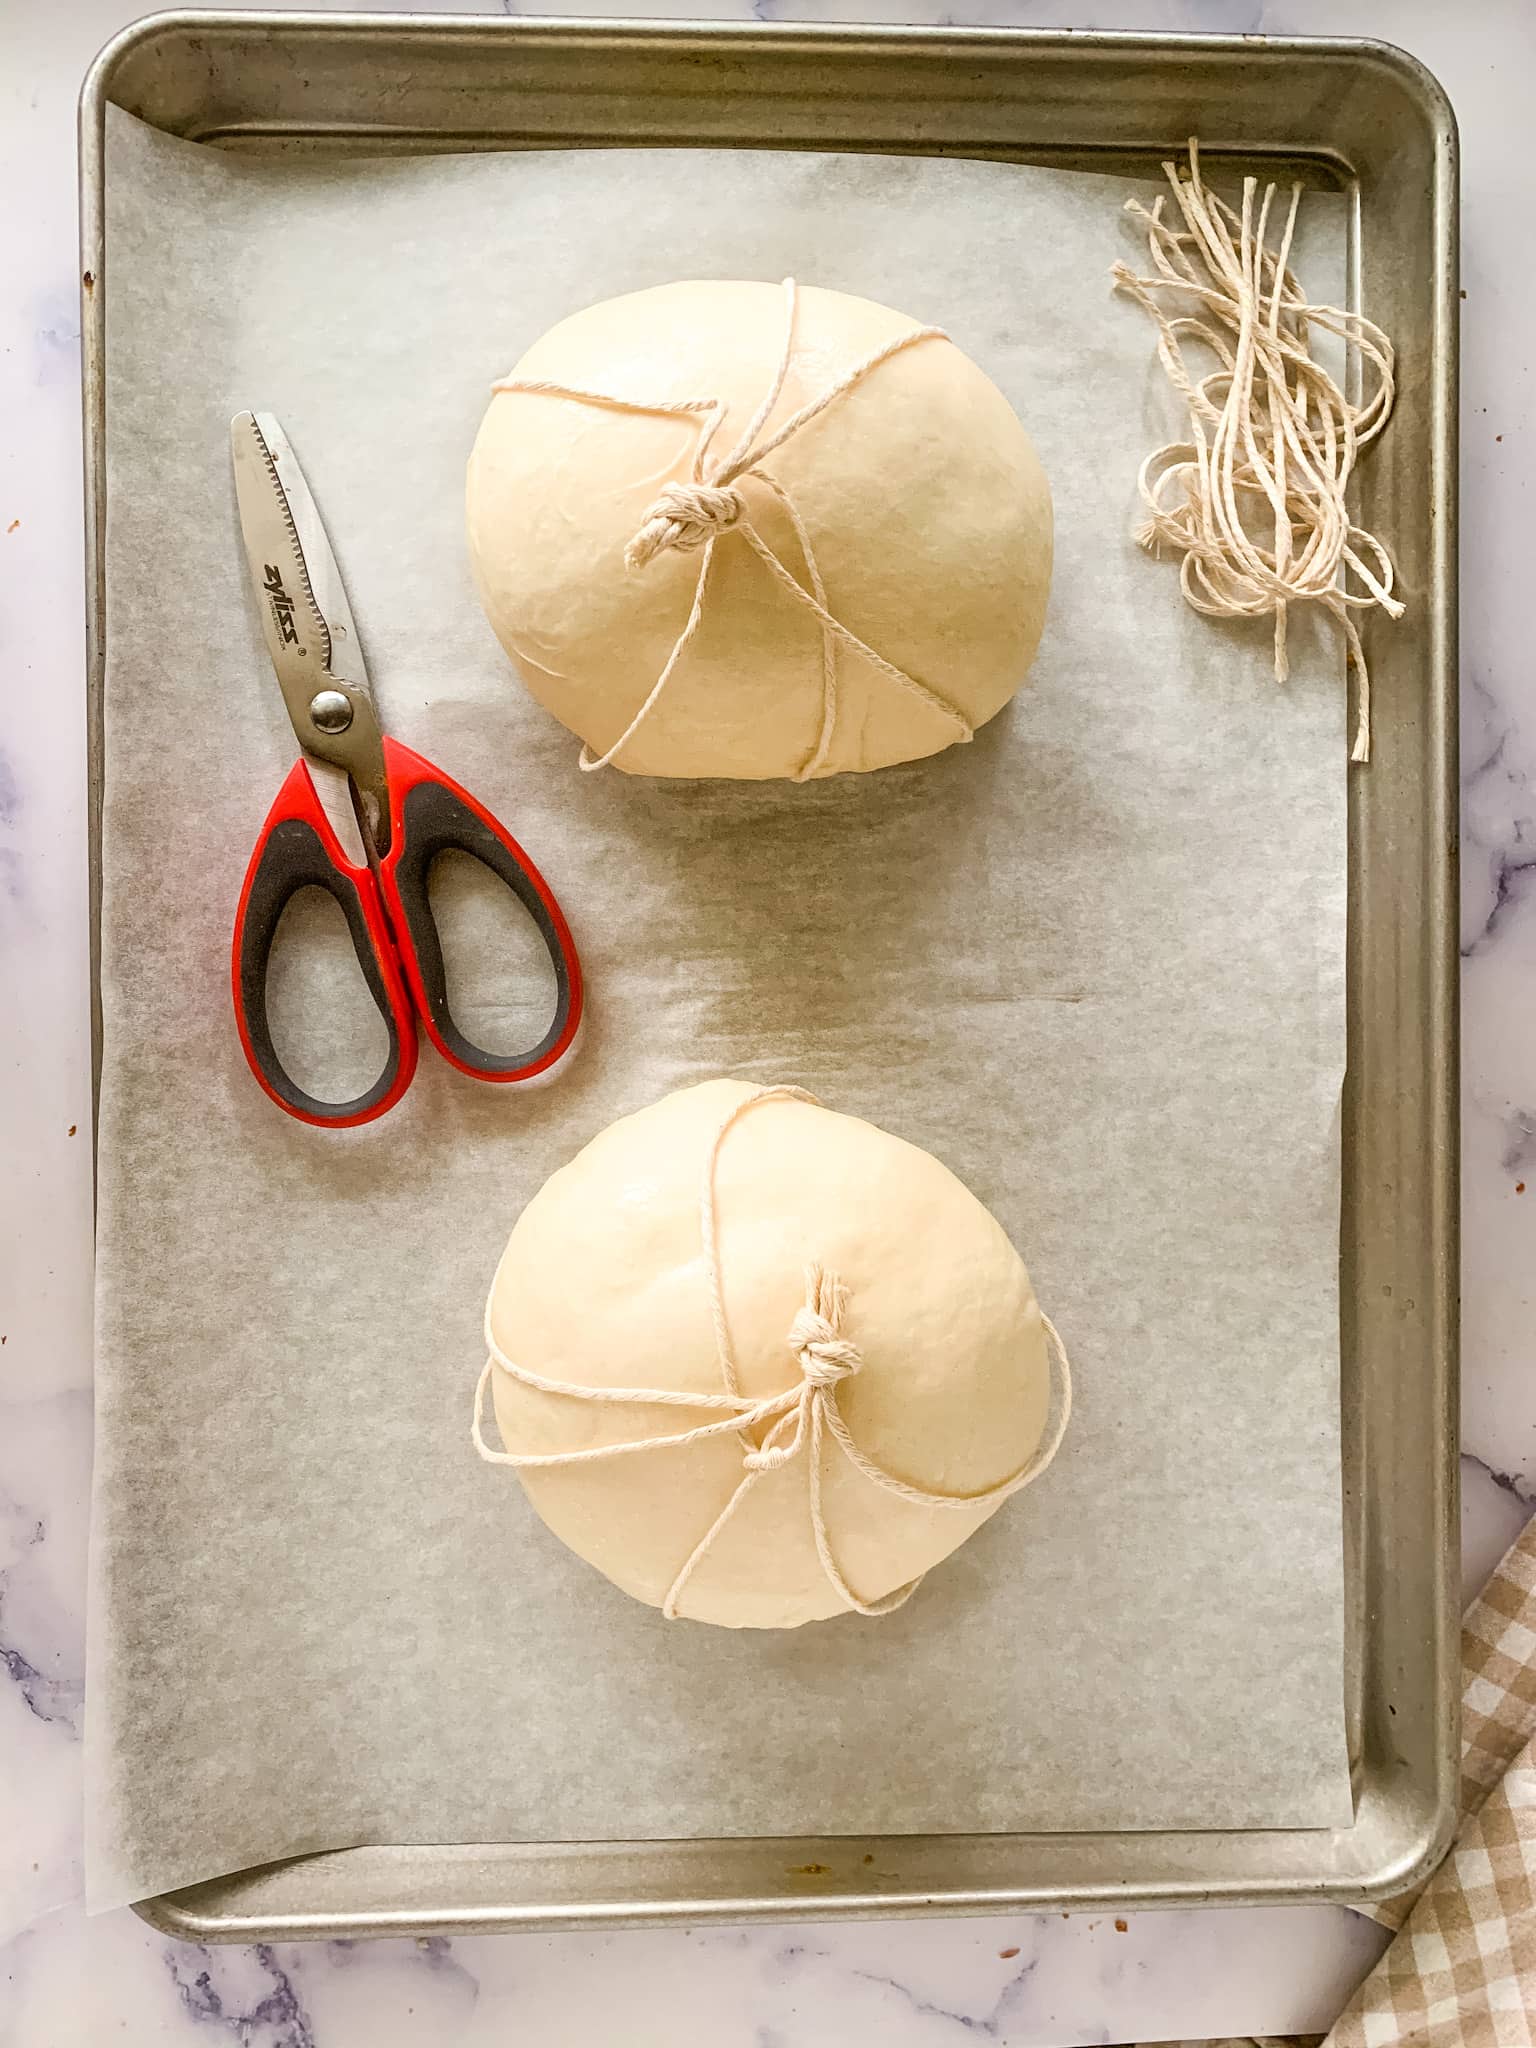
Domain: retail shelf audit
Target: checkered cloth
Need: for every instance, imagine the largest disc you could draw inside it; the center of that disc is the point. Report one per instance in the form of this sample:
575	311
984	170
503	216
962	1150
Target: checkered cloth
1462	1971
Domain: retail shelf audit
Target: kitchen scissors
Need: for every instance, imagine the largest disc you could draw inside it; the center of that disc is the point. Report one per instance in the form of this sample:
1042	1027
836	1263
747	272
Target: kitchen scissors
408	813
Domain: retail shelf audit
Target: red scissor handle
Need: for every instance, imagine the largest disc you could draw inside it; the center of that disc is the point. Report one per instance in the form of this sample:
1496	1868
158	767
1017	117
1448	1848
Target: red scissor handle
430	814
297	850
394	933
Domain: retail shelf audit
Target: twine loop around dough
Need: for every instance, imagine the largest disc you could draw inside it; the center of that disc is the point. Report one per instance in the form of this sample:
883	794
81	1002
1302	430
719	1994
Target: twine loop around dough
693	515
799	1418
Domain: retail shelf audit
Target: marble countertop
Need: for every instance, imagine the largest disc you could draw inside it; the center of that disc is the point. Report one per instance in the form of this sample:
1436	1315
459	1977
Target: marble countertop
1023	1982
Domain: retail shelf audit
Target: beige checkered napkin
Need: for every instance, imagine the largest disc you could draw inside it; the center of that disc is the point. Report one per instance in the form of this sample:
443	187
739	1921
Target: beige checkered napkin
1498	1689
1462	1971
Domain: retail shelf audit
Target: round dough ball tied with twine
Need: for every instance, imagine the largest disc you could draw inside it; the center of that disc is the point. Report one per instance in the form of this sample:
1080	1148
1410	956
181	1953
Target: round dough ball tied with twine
738	529
761	1364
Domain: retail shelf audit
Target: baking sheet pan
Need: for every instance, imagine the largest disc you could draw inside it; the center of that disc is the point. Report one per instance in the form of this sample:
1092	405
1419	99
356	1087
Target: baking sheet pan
1395	1815
1045	956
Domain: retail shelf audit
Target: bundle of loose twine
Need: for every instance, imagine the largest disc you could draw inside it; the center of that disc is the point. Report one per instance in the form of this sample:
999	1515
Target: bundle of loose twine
1255	501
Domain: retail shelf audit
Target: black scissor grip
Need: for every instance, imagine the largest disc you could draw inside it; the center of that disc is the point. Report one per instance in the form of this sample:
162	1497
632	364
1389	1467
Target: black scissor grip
298	850
433	816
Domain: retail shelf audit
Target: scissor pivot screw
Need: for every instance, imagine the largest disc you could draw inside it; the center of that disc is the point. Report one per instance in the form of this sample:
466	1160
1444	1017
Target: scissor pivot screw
330	711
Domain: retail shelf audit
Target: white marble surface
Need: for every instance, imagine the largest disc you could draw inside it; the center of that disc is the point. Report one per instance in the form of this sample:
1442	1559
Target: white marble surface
1024	1982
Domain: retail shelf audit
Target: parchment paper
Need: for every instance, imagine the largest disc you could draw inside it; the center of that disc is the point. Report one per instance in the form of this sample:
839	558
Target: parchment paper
1094	961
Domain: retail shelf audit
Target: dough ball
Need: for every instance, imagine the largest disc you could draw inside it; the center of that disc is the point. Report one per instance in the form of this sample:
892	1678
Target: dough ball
605	1284
928	513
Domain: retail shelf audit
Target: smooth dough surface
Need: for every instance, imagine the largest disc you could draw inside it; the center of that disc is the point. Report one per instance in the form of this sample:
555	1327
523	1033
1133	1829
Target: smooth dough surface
928	510
603	1283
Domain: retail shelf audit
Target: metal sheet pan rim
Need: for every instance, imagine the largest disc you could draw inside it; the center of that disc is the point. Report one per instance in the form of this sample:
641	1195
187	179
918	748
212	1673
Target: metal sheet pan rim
1405	1808
217	1910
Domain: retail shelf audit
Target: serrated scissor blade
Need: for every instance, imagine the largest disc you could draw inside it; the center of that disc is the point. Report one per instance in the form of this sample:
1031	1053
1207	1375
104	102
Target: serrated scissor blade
305	618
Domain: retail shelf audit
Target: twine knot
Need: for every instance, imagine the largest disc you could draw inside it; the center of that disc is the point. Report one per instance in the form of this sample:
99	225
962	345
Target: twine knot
684	516
825	1357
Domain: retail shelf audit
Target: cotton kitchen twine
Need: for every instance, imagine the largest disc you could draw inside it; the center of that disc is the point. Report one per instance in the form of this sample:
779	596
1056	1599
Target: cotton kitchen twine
772	1452
1256	500
700	622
